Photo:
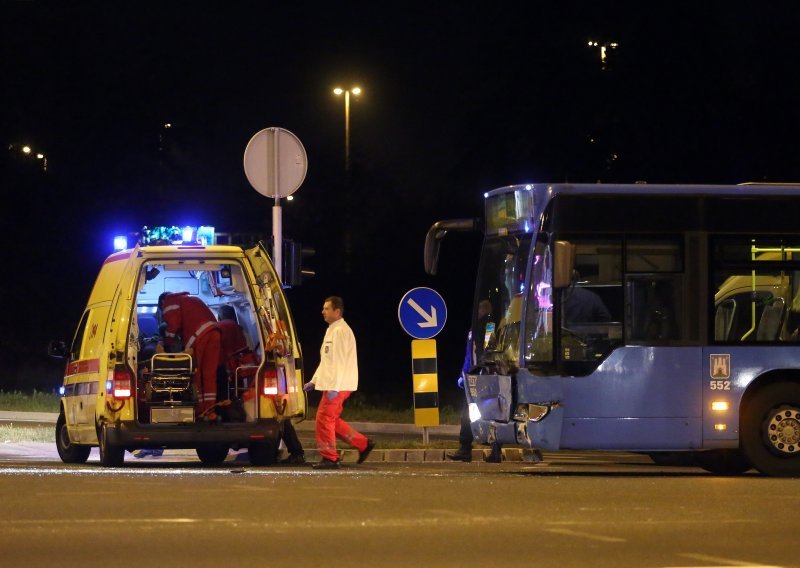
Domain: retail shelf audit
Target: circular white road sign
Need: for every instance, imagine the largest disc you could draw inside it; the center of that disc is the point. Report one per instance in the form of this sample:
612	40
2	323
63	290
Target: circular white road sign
275	162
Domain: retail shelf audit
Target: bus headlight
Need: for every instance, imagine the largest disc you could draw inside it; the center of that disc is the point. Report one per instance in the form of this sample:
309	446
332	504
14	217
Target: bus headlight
532	412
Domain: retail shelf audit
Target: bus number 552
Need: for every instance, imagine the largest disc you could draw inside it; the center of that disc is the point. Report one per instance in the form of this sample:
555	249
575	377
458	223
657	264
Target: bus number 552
720	385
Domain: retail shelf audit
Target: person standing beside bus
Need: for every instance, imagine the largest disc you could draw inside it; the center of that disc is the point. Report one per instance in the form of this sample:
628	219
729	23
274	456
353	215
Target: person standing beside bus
465	438
474	349
337	378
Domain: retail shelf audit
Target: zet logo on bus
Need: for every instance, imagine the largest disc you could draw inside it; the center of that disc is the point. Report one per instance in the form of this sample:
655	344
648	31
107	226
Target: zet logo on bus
422	313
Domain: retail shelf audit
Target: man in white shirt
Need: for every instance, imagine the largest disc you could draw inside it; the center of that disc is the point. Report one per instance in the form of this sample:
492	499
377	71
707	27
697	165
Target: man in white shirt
337	378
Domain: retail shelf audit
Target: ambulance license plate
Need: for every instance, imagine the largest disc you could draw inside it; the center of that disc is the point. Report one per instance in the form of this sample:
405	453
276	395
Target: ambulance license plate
172	415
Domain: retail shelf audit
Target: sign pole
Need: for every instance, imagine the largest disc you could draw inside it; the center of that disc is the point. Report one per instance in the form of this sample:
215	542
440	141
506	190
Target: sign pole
277	214
422	314
426	384
277	237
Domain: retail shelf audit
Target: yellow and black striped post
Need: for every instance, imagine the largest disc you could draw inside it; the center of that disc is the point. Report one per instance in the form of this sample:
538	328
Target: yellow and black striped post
426	382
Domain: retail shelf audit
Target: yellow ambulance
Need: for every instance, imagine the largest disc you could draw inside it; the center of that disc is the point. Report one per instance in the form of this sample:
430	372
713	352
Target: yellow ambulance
121	393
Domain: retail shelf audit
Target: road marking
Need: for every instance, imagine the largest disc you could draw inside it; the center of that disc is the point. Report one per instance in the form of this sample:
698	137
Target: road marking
166	472
138	522
723	562
590	536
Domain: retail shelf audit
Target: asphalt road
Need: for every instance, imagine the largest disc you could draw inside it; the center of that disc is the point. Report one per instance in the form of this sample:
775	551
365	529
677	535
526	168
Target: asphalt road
573	509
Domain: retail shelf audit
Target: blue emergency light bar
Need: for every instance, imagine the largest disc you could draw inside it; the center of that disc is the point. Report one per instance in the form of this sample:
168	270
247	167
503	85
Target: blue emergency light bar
202	235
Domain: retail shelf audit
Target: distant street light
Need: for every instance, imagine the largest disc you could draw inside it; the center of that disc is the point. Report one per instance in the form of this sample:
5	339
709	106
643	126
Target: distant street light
604	49
338	91
28	151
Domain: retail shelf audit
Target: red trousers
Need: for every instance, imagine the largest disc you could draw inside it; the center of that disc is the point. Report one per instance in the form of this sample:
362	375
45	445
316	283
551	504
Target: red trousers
330	426
207	350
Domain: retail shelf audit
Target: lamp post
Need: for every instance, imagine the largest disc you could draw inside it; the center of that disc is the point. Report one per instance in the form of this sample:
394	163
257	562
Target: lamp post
338	92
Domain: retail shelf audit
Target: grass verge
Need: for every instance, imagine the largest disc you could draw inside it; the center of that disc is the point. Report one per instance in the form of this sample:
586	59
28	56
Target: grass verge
356	409
13	434
36	401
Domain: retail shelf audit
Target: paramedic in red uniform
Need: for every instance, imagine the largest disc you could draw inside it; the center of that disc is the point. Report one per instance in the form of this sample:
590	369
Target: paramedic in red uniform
337	378
189	317
233	339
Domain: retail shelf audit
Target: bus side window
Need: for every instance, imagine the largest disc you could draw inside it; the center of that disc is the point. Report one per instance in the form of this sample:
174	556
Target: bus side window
723	320
655	308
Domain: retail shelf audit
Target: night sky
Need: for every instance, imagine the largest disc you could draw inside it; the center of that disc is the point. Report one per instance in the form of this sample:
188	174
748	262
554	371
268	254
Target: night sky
457	100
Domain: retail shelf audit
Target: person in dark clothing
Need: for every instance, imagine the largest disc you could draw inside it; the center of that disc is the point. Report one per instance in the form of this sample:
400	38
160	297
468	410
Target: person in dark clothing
584	306
297	455
465	437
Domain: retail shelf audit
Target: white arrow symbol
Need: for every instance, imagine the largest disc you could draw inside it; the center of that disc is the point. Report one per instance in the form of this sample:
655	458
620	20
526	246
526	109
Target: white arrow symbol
430	319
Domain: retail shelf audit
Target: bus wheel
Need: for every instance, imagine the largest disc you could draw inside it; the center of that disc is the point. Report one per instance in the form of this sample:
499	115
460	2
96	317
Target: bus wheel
723	462
67	451
110	455
212	454
262	453
771	430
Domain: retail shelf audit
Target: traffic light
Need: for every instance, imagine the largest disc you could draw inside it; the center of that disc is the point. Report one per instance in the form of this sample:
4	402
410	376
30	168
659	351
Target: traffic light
294	270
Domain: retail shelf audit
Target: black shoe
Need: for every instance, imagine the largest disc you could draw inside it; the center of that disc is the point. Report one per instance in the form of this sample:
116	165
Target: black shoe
294	459
460	456
494	457
363	455
326	464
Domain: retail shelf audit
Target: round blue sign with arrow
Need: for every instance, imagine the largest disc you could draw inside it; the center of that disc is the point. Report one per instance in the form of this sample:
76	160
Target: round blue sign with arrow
422	313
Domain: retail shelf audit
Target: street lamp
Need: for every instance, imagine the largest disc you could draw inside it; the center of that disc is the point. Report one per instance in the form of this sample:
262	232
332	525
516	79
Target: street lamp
604	49
338	92
28	151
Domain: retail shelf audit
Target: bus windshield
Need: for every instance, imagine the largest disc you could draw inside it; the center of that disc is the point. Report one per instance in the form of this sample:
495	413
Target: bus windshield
499	298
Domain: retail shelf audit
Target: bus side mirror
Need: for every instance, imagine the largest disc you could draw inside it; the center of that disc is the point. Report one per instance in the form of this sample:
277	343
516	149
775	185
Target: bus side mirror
433	240
563	263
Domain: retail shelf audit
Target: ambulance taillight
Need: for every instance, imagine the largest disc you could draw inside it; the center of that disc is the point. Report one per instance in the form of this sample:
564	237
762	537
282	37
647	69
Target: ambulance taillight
269	380
120	382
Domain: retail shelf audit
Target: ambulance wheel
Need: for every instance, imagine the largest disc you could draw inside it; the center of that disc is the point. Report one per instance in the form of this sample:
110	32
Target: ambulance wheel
67	451
212	454
110	455
723	462
262	453
770	431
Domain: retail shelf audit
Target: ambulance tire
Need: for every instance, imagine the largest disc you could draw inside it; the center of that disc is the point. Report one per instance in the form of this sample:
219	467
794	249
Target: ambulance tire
263	453
67	451
110	455
212	454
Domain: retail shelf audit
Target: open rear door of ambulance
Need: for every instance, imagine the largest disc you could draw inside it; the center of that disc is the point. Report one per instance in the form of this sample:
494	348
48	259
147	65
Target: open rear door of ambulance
282	375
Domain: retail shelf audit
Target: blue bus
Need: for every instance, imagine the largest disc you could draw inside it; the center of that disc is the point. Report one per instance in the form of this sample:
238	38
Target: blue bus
662	319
